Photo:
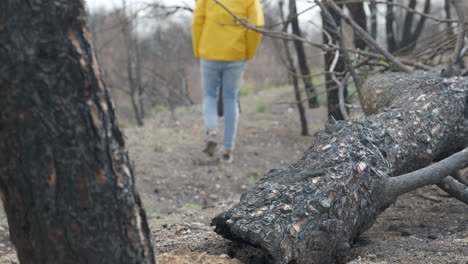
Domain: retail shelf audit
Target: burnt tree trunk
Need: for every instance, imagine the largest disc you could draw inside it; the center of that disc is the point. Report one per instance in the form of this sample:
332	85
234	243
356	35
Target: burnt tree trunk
390	36
373	19
358	14
408	25
302	57
139	78
409	37
313	210
448	16
292	68
66	181
333	100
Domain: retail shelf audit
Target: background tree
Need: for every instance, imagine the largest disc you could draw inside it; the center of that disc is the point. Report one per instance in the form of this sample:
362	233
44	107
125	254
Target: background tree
356	10
411	30
66	181
290	65
333	62
133	62
301	56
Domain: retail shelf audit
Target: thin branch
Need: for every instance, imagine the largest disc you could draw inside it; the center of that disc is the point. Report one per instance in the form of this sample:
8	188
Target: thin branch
315	74
333	88
432	174
281	35
287	21
455	188
381	57
341	98
403	7
286	36
186	8
334	62
329	38
461	178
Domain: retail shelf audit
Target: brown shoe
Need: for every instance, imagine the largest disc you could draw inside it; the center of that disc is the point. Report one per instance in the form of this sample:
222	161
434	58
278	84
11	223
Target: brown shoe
210	145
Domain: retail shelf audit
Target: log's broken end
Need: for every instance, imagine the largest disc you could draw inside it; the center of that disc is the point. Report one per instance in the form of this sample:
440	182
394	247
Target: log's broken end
310	246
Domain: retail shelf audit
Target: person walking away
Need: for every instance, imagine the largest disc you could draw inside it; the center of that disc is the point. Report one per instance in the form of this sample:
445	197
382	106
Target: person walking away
224	45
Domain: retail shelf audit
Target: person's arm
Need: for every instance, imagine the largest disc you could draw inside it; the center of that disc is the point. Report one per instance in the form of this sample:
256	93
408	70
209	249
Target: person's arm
197	25
254	14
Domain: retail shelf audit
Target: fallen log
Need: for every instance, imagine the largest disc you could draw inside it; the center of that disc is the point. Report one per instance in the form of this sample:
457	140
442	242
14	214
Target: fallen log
380	92
313	210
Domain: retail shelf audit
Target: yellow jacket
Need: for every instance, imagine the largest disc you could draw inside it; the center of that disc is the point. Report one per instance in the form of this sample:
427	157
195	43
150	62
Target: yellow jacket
217	36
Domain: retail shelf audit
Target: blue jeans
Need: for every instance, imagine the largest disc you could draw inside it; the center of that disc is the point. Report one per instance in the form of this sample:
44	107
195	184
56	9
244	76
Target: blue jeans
228	74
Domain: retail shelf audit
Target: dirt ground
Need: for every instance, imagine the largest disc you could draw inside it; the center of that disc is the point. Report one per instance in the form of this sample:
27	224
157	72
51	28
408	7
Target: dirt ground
182	190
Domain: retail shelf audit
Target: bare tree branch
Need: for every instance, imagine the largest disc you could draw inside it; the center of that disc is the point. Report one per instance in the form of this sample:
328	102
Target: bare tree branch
429	175
366	37
455	188
282	35
294	16
436	19
169	9
341	97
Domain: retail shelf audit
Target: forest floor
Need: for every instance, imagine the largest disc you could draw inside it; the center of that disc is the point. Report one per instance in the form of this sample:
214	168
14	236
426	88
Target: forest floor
182	190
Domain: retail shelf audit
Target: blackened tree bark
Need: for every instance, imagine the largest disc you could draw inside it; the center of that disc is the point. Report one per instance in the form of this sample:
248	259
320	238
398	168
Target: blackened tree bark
389	22
411	37
408	23
313	210
373	19
448	15
292	68
66	181
301	56
359	16
408	36
333	100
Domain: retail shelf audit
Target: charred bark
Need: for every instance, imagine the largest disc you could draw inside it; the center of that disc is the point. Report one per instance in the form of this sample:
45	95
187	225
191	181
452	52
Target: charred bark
313	210
66	181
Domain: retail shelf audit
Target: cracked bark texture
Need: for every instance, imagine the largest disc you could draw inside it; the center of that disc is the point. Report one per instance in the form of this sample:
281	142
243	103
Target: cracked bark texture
66	182
313	210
